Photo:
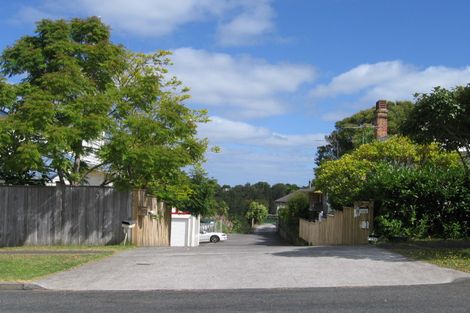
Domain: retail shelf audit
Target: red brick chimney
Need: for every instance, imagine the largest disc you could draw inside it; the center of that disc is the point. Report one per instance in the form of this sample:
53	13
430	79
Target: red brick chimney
381	120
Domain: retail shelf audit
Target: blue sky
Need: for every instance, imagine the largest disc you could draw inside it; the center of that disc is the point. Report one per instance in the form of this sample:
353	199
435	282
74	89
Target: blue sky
276	75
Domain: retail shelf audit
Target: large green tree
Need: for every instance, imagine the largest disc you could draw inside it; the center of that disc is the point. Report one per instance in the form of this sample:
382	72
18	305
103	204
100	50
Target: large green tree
67	72
442	116
81	95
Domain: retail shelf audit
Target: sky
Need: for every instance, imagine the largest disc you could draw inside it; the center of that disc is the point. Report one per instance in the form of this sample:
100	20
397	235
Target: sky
275	75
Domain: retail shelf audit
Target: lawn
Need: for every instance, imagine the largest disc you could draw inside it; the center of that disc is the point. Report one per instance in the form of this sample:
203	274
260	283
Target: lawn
27	263
450	254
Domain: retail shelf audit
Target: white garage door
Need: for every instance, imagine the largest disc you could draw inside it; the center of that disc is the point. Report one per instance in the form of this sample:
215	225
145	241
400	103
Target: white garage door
179	232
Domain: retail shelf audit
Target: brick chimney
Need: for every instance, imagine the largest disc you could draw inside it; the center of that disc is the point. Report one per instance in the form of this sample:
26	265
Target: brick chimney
381	120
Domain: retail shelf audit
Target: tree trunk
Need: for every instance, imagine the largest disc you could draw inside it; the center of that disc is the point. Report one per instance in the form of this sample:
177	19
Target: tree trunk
76	169
61	176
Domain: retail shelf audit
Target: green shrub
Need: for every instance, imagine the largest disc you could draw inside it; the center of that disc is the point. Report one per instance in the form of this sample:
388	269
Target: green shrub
428	201
390	227
240	224
257	212
452	230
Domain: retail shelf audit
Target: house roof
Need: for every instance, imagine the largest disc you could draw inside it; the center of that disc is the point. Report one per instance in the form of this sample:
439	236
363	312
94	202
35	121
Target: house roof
286	198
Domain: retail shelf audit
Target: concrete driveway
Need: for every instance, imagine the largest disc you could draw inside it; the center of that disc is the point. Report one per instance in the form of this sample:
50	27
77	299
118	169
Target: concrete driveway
249	261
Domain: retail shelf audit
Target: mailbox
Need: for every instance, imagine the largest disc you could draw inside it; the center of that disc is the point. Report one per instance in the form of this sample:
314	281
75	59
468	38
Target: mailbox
128	224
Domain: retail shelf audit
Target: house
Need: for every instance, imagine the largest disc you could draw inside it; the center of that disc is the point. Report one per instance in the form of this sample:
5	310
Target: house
318	202
96	177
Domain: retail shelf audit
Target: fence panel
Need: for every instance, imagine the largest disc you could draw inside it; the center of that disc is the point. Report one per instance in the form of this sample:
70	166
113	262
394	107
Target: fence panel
32	215
343	228
151	229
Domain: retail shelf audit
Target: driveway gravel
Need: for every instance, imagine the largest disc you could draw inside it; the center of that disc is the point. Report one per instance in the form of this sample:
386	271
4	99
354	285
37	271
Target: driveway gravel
257	260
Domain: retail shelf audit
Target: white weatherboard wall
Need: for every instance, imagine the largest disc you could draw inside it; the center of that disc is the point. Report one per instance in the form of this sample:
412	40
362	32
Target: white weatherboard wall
184	230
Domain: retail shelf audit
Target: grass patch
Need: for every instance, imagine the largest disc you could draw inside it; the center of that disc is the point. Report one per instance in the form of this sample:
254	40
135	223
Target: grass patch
27	263
450	254
110	248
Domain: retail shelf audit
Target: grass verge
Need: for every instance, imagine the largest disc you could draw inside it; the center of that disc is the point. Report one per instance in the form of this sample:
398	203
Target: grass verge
450	254
27	263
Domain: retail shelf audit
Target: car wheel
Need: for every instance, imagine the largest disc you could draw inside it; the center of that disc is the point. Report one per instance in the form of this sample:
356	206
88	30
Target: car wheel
214	239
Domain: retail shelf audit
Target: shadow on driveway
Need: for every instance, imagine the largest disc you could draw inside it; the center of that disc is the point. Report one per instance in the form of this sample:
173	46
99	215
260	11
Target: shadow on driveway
344	252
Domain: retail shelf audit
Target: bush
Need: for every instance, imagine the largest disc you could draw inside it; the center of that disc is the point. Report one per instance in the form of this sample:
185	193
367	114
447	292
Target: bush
240	224
391	227
297	207
421	202
346	179
257	212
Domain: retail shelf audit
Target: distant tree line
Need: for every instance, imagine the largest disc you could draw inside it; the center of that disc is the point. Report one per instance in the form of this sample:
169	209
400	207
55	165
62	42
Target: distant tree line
239	197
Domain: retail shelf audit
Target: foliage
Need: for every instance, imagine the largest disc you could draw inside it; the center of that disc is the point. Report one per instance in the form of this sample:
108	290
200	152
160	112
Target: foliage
420	202
345	179
63	99
442	116
353	131
257	212
154	134
79	88
288	227
297	206
342	179
240	224
201	200
419	190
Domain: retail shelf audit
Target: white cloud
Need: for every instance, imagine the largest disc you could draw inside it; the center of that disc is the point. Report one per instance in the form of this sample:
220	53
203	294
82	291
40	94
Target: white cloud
244	86
239	21
221	130
252	153
255	21
152	17
393	80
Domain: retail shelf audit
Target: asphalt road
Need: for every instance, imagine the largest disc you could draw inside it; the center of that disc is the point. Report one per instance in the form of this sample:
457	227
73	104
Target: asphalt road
255	261
445	298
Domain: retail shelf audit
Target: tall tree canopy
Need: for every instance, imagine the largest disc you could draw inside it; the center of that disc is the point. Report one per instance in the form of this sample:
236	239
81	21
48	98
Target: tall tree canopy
358	129
442	116
82	96
202	195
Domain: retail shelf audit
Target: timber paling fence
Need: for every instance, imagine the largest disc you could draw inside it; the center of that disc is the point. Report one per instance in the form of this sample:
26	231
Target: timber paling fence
351	226
77	215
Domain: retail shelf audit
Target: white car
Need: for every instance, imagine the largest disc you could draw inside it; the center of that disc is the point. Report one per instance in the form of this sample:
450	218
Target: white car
206	236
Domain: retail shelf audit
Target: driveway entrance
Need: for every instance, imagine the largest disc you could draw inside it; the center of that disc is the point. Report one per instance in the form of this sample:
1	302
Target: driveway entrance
249	261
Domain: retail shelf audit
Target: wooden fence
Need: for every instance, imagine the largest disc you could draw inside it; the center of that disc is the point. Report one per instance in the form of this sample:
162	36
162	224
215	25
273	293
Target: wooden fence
153	220
66	215
348	227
